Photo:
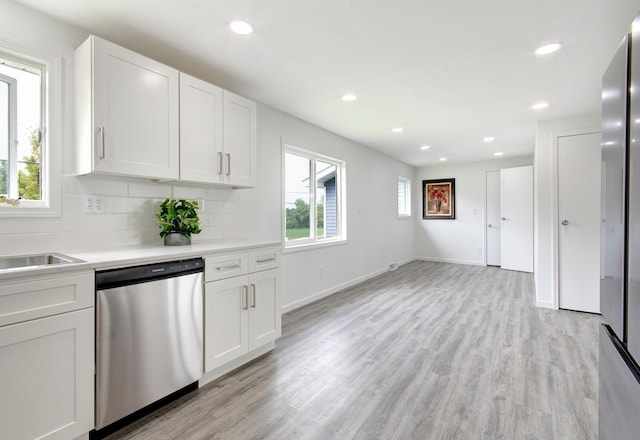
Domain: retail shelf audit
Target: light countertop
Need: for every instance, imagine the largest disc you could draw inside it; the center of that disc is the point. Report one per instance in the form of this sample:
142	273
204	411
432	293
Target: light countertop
124	256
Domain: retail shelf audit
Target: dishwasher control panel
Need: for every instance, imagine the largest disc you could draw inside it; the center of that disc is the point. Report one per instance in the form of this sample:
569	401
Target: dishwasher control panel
135	274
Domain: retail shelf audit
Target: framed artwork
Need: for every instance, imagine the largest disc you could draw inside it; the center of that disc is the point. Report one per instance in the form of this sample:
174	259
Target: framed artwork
438	199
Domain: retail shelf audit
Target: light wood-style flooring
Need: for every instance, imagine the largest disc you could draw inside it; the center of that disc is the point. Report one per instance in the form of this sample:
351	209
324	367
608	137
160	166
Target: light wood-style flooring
429	351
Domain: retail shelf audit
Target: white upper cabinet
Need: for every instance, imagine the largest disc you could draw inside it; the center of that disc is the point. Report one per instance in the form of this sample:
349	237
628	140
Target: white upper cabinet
126	112
137	117
217	135
200	131
239	165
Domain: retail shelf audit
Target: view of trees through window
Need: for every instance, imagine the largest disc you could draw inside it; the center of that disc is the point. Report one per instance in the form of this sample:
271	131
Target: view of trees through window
298	220
311	198
20	134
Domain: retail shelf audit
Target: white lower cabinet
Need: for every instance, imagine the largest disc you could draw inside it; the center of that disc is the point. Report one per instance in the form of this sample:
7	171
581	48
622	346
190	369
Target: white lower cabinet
242	312
46	377
47	356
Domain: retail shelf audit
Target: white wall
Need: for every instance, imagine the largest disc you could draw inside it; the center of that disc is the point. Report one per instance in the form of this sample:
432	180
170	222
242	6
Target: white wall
375	236
458	241
545	195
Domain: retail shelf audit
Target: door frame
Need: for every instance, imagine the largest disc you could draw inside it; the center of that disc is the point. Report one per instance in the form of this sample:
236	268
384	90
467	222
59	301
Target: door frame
555	216
486	201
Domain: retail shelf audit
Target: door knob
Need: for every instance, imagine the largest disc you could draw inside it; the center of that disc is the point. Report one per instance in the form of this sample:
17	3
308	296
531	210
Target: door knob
565	222
489	225
504	219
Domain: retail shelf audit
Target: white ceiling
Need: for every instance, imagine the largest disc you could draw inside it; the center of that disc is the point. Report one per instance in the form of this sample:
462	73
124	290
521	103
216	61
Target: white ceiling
450	72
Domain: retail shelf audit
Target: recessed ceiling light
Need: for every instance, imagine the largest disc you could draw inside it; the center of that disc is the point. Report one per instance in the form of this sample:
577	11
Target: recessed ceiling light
488	139
443	159
498	153
425	147
540	105
397	129
548	48
241	27
349	97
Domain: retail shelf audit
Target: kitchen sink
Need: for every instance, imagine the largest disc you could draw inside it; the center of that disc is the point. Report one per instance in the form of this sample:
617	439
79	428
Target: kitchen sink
24	261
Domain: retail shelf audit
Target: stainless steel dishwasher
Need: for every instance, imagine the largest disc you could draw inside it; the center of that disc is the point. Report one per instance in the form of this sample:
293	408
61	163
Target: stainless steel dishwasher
148	338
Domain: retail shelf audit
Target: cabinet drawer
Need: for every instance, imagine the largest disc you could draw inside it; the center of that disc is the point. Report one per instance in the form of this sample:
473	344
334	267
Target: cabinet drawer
44	296
225	266
264	259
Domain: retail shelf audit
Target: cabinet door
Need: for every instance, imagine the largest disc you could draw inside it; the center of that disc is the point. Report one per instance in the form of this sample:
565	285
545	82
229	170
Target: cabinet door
135	113
239	140
225	321
264	307
46	377
200	131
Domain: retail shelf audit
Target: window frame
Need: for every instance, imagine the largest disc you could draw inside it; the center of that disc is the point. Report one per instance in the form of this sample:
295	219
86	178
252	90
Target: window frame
314	241
406	213
12	84
50	132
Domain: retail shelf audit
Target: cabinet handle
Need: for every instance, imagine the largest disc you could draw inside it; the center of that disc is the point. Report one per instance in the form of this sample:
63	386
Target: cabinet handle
102	147
245	297
253	296
233	266
220	163
228	163
266	260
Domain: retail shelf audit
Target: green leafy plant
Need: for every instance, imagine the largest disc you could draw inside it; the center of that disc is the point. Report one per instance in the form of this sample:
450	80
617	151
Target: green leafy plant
179	216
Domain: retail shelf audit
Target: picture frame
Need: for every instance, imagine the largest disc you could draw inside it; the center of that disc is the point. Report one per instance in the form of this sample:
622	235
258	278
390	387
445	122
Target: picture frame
438	199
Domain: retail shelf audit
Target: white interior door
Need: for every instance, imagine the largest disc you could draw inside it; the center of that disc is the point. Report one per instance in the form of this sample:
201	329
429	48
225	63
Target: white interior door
579	171
516	218
493	218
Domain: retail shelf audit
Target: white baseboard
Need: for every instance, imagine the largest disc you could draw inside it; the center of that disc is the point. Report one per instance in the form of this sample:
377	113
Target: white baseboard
451	261
320	295
545	304
234	364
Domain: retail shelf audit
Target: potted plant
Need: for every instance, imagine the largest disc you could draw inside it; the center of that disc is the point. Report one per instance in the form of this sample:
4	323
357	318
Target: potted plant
178	219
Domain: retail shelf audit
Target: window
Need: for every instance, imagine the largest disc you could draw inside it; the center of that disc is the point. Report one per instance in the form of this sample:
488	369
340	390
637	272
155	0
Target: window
404	197
313	211
24	166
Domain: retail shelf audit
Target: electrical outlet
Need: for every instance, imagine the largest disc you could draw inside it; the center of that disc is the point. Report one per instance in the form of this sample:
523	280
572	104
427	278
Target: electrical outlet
201	205
321	271
94	204
478	250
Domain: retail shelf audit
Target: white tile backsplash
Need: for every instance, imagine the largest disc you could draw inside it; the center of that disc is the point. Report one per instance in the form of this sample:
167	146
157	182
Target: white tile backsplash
153	190
221	219
129	217
189	193
229	207
95	185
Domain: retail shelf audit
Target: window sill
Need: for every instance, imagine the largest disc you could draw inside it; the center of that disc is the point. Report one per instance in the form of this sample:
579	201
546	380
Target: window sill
404	217
312	246
27	212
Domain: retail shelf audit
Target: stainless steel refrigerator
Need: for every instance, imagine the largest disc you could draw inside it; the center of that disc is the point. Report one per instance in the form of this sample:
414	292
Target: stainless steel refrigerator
619	373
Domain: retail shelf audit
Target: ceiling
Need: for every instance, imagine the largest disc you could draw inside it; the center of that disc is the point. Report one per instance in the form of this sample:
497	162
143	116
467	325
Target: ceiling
449	72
